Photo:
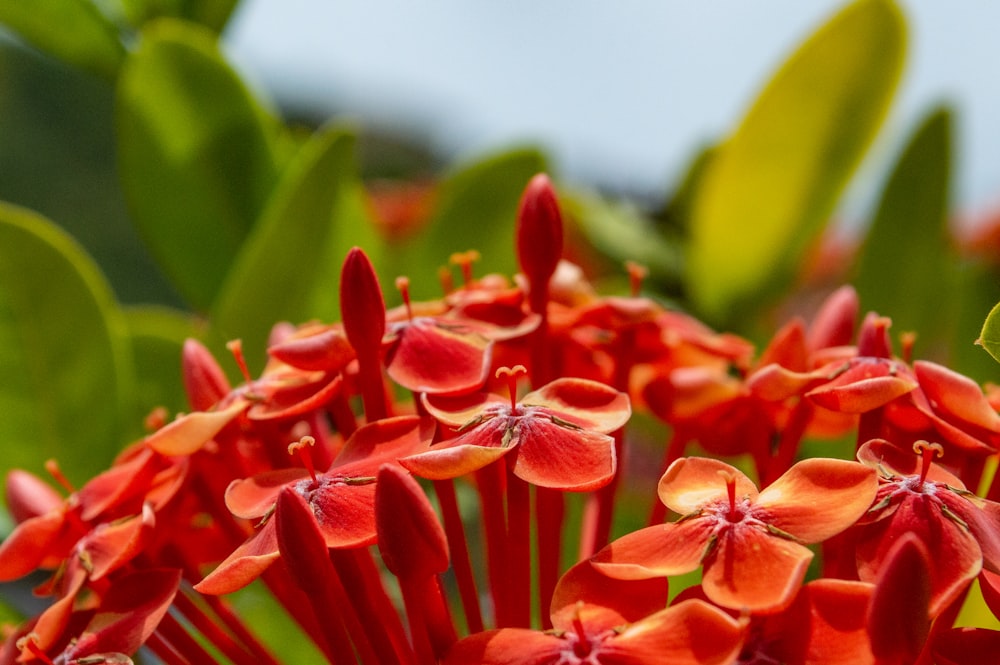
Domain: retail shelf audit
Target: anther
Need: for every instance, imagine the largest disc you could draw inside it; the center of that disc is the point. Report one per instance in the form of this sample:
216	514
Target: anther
299	448
512	374
464	261
403	286
927	452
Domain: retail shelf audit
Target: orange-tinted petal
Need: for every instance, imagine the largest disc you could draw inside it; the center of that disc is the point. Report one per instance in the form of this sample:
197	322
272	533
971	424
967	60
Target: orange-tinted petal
752	569
445	462
901	462
457	411
31	543
383	442
326	349
692	482
190	432
689	633
952	393
587	404
656	551
244	565
818	498
509	646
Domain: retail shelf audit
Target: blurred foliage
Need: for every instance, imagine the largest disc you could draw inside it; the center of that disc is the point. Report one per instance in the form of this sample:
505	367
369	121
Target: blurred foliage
201	210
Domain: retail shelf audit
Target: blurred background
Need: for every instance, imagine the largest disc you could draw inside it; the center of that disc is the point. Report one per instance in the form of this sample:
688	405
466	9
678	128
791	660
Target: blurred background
620	96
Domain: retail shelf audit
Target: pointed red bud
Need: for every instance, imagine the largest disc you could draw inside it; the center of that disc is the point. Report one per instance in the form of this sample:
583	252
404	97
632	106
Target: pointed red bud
410	537
362	306
539	232
898	620
873	338
833	325
29	496
204	380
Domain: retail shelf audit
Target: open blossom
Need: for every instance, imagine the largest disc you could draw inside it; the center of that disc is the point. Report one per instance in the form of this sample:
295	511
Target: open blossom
610	622
915	496
751	544
557	435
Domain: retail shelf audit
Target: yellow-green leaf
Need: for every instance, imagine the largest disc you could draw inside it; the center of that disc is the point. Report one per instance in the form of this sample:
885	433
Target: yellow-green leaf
74	31
64	358
771	186
989	337
199	156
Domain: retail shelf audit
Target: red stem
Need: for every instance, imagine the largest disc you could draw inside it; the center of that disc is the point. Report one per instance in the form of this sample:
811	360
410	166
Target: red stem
164	651
458	547
550	512
519	543
182	642
490	481
216	635
675	450
788	444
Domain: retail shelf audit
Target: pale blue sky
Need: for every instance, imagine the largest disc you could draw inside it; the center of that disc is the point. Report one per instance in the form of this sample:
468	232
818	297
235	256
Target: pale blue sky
620	93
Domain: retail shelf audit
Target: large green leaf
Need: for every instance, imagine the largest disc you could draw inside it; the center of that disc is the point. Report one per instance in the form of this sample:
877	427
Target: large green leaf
74	31
772	185
158	335
905	269
476	209
283	270
63	355
198	155
213	14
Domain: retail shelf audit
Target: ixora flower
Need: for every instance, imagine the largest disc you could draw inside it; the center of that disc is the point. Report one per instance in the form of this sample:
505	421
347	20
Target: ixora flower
557	435
751	544
960	530
342	499
597	621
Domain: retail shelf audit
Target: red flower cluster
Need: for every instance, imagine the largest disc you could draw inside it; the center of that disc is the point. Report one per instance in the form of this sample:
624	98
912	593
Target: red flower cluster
508	404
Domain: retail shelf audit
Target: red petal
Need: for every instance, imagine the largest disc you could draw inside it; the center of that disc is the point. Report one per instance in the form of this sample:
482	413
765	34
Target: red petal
751	569
834	324
129	613
862	395
325	350
446	462
429	357
965	646
254	497
29	496
833	612
587	404
818	498
692	482
624	601
297	400
952	393
509	646
204	381
459	410
550	455
902	462
656	551
31	543
244	565
383	442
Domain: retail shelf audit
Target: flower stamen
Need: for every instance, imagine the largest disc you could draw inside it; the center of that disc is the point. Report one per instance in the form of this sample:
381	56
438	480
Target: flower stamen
927	451
52	467
734	514
235	347
403	286
512	374
636	274
299	448
464	261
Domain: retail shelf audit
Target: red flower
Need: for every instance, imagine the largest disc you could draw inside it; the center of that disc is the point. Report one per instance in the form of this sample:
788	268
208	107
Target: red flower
750	544
960	530
557	435
596	620
342	499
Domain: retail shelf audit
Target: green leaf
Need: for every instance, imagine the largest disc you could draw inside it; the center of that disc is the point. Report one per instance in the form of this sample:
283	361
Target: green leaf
198	155
158	335
213	14
989	336
282	272
623	233
63	354
905	269
772	185
74	31
476	209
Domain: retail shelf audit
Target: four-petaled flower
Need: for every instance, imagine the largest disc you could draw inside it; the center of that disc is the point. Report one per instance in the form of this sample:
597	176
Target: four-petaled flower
751	544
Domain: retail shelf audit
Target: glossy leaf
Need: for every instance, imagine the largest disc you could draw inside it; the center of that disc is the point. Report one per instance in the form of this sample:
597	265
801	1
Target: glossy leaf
989	337
279	273
198	155
905	269
74	31
477	209
771	186
63	357
158	335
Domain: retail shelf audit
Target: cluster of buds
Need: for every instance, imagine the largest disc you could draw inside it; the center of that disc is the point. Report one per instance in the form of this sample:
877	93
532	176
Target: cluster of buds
508	403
